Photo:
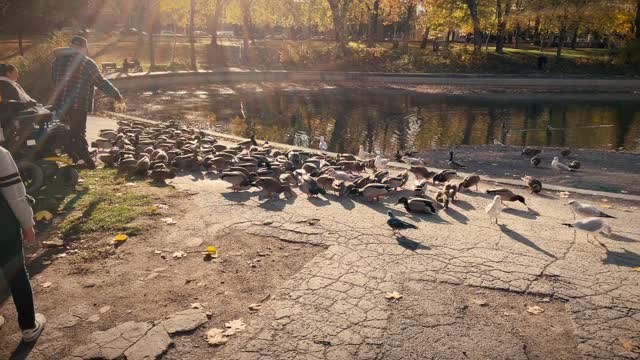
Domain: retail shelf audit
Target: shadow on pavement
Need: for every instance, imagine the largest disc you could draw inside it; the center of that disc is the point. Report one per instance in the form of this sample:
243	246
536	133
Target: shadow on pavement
410	244
457	216
23	351
531	215
624	258
622	238
523	240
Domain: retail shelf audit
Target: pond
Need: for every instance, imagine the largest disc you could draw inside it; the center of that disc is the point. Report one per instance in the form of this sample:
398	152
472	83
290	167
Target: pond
387	120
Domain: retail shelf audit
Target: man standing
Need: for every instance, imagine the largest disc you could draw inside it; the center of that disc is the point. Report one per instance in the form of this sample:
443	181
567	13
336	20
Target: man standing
75	76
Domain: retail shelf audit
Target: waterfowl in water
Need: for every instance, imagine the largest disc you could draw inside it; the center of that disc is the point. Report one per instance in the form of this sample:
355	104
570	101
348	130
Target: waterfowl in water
535	186
418	205
506	195
397	224
453	163
557	165
575	165
587	210
238	180
372	191
469	181
494	208
535	161
530	152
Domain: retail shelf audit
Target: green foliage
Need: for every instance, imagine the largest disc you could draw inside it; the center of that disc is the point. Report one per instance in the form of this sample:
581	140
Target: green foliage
630	54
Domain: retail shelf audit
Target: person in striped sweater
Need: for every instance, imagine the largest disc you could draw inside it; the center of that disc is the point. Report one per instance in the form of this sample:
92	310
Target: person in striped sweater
17	226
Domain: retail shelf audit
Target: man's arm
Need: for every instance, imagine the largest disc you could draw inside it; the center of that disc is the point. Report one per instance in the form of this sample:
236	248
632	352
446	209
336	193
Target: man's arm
101	83
13	190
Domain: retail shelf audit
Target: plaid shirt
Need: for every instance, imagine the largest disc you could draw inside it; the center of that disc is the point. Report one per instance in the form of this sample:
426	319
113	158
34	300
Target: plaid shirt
75	76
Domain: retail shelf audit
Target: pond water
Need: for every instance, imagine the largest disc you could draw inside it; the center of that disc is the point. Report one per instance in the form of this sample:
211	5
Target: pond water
388	120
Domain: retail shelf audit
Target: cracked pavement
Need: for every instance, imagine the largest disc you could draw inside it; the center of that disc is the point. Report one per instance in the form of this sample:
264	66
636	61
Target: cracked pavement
335	308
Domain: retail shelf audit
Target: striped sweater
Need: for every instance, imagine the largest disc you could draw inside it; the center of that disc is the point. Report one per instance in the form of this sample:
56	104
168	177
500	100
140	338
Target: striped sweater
13	190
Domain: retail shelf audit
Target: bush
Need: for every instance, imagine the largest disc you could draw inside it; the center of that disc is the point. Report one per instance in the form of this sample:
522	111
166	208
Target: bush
630	54
35	67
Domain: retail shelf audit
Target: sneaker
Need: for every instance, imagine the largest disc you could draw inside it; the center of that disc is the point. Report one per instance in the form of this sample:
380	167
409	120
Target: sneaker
32	335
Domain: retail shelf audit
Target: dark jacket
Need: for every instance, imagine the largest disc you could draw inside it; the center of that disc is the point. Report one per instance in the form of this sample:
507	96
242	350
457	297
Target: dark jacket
75	76
10	90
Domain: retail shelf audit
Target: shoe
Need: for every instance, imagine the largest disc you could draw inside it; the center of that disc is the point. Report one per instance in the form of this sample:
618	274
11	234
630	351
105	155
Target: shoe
32	335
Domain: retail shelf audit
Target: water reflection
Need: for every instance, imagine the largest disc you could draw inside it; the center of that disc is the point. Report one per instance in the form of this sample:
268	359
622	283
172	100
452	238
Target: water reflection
386	121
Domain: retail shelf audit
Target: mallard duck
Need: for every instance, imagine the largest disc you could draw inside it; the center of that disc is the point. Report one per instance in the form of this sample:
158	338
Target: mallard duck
274	187
219	163
535	161
102	143
451	189
108	134
530	152
453	163
247	144
565	152
494	208
325	182
420	188
238	180
469	181
310	186
557	165
412	161
535	186
575	165
397	181
380	175
444	176
421	172
586	210
506	195
418	205
143	166
250	167
161	174
352	166
443	199
341	188
126	165
397	224
372	191
346	157
362	181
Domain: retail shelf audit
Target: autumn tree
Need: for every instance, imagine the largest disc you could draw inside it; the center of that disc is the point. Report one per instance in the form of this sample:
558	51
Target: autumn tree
339	11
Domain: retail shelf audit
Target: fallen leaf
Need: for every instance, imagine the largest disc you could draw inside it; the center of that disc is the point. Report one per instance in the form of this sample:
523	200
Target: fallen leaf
55	242
197	306
43	216
120	238
168	221
637	269
216	337
546	300
255	307
179	254
47	284
393	295
607	206
162	206
234	327
211	251
480	302
630	345
94	319
535	310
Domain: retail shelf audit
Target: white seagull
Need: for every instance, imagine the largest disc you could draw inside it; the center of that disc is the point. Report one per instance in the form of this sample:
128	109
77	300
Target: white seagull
593	226
363	154
323	144
586	210
557	165
495	208
380	162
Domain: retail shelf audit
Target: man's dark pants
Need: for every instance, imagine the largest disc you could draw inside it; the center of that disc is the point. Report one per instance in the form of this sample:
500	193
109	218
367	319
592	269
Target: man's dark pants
14	271
78	147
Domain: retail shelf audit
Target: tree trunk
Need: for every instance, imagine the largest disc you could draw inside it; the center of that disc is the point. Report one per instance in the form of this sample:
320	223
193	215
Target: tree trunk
373	25
214	56
503	18
477	37
407	27
338	11
192	39
637	20
517	43
425	37
20	40
561	37
246	29
574	38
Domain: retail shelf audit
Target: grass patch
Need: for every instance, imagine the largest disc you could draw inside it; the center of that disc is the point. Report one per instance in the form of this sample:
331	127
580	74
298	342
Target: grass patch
102	203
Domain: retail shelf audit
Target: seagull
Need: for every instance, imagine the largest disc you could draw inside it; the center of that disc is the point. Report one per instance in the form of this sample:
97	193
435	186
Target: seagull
380	162
592	226
557	165
396	224
586	210
495	208
323	144
363	154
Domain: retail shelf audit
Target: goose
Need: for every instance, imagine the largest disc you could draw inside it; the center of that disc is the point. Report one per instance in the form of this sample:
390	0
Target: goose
418	205
506	195
557	165
494	208
587	210
535	186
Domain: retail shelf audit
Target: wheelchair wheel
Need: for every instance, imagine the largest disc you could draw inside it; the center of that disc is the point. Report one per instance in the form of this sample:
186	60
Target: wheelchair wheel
67	175
32	176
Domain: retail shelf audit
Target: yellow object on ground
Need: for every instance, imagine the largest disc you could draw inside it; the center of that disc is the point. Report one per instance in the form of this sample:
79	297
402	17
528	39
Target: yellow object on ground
120	238
43	216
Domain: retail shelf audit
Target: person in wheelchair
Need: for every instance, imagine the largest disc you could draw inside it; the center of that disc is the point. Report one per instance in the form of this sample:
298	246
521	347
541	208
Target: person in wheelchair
10	90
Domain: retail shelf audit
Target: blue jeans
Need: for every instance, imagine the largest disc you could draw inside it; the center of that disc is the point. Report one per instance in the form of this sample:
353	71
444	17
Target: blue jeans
16	276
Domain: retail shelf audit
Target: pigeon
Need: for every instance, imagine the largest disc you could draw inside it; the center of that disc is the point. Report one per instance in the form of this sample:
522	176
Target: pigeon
586	210
557	165
397	224
494	208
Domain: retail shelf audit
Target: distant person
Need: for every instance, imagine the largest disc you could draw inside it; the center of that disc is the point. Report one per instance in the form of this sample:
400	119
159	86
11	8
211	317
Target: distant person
125	65
10	89
75	76
137	66
16	222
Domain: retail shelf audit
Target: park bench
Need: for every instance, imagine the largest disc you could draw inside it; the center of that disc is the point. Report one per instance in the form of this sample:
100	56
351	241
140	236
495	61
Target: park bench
109	67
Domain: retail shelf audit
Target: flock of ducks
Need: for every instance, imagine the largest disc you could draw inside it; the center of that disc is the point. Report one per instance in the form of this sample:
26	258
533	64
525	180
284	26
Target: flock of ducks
160	151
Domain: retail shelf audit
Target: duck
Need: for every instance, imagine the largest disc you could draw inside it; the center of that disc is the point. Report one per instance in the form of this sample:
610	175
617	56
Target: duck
535	161
494	208
247	144
102	143
238	180
380	175
534	185
396	224
421	172
363	181
451	189
565	152
325	182
587	210
453	163
506	195
362	154
575	165
444	176
380	163
310	187
341	188
469	181
558	166
412	161
352	166
372	191
161	174
418	205
397	181
443	199
143	166
274	187
530	152
420	188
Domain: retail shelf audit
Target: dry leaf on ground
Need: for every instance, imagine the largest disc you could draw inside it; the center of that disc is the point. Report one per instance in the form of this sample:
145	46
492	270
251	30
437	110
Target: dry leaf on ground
234	327
216	337
393	295
535	310
630	345
197	306
637	269
168	221
179	254
43	215
47	284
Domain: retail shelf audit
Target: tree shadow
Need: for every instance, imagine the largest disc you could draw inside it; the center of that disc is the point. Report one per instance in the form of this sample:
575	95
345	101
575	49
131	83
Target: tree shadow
409	244
523	240
22	351
625	259
456	215
531	215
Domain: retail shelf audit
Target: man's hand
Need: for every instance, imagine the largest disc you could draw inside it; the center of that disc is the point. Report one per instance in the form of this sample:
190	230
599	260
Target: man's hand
29	235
